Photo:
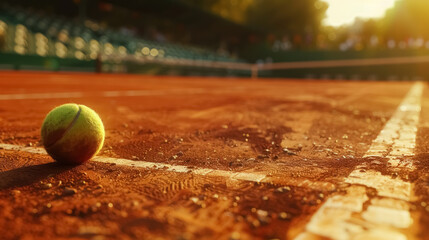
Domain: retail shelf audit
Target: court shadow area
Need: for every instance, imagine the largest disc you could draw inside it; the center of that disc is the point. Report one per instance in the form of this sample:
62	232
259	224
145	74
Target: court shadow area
28	175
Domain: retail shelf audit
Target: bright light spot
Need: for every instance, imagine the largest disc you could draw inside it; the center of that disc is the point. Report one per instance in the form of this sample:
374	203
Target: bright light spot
161	53
41	51
154	52
61	53
342	12
108	48
79	55
61	50
79	43
146	51
122	50
19	49
93	55
20	27
20	41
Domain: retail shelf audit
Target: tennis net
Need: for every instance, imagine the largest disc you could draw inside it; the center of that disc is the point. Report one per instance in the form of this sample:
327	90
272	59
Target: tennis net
392	68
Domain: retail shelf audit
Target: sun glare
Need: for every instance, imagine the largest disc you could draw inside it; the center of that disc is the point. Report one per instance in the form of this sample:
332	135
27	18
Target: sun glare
342	12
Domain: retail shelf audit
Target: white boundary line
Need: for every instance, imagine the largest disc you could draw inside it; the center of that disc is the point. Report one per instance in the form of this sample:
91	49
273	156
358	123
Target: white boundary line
232	175
357	215
21	96
254	177
129	93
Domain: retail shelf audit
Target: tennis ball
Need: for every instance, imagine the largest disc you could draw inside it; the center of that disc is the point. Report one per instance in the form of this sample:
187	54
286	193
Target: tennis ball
72	133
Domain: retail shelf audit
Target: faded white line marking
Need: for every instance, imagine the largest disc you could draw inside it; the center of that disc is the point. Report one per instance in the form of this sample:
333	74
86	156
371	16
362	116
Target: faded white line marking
386	214
130	93
100	94
400	131
253	177
22	149
241	176
41	96
138	93
386	186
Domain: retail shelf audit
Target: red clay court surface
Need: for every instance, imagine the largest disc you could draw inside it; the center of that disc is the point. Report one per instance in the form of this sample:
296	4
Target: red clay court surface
261	158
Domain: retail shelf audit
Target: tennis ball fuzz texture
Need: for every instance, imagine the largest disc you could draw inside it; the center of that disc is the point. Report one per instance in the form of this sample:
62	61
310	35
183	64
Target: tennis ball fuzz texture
72	133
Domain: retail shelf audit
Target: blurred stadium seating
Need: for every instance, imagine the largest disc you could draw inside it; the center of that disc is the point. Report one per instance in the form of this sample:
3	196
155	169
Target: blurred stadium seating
31	33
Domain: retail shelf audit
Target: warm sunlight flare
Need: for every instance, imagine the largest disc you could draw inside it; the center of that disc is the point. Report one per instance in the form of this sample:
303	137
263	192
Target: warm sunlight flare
345	11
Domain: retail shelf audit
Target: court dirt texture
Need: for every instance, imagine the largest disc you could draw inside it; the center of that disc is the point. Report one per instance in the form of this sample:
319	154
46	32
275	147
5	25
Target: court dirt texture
218	158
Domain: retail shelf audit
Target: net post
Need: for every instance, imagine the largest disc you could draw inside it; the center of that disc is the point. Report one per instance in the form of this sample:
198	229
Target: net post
254	71
98	64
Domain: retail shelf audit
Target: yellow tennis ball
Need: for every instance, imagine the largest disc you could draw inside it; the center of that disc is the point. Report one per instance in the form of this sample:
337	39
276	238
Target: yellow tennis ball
72	133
